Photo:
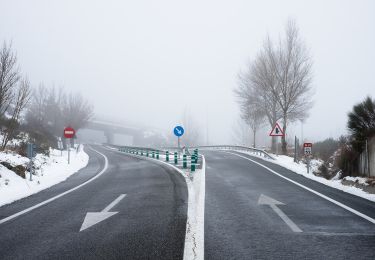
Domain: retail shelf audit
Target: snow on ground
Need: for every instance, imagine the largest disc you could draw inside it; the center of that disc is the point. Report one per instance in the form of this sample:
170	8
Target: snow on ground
13	159
300	168
50	171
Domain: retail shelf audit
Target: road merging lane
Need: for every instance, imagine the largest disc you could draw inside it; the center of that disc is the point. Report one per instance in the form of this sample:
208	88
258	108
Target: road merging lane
370	219
250	214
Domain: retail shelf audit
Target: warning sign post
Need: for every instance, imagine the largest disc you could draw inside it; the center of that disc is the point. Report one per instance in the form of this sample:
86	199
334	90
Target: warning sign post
277	131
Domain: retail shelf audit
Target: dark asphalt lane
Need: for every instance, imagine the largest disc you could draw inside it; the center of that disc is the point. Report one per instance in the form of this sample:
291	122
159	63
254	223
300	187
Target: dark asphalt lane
150	223
236	227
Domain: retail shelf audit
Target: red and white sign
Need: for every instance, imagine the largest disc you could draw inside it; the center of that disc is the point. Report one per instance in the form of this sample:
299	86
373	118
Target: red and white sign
69	132
307	148
277	131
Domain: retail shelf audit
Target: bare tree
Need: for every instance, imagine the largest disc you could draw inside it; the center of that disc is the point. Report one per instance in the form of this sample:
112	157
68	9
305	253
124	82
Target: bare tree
254	90
20	101
254	117
77	111
241	133
291	65
9	77
279	80
51	109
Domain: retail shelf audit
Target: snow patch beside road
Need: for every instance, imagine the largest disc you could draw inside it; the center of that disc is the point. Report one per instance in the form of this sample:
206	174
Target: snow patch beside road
51	170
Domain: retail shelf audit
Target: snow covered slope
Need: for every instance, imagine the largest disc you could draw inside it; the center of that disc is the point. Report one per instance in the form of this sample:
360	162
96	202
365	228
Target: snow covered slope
50	171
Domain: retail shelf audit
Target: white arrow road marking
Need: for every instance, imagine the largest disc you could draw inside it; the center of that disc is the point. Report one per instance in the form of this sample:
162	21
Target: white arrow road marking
93	218
265	200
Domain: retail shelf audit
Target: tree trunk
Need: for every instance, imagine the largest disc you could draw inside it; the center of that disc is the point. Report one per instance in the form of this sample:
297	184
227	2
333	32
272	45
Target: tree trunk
273	144
254	134
283	140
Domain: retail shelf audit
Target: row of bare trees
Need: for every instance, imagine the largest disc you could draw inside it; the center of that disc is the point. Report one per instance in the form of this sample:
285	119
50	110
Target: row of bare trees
51	109
42	112
14	94
276	85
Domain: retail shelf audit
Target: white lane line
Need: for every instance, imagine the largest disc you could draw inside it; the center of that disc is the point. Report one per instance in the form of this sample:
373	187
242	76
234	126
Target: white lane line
194	236
61	194
311	190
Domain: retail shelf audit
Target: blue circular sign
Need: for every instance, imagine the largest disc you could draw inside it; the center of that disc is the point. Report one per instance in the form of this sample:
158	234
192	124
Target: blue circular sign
178	131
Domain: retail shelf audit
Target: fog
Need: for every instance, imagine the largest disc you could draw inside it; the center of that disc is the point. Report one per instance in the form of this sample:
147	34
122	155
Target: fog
149	62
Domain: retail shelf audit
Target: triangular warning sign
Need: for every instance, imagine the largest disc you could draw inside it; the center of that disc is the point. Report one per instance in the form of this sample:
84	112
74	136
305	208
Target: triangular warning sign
277	131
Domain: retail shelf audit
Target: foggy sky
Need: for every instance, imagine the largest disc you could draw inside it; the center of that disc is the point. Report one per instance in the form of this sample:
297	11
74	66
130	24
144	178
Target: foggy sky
148	61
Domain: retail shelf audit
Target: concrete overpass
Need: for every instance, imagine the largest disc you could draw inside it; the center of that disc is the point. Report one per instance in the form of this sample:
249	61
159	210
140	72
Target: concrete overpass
96	129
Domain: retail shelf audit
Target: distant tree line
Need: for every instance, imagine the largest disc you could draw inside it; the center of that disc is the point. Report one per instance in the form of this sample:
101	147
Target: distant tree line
277	84
51	109
41	112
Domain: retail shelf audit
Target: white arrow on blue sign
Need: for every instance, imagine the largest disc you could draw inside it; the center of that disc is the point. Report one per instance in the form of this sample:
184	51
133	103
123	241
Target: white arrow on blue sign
178	131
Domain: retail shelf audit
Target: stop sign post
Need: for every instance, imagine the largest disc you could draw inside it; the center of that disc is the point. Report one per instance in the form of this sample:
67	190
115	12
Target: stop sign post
307	149
68	134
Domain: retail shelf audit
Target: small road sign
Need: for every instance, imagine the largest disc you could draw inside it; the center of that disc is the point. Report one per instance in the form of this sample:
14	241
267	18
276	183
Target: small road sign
31	150
277	131
69	132
178	131
307	148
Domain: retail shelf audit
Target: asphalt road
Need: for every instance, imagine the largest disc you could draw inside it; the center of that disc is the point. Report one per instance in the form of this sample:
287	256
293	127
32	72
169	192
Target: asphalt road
150	223
237	227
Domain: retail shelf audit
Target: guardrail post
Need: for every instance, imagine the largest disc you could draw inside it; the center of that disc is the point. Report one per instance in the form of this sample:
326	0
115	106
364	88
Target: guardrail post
192	163
184	161
153	154
175	157
167	156
141	152
157	155
147	153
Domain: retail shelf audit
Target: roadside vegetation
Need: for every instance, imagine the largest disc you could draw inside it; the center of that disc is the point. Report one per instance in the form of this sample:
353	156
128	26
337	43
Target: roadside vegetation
38	113
33	114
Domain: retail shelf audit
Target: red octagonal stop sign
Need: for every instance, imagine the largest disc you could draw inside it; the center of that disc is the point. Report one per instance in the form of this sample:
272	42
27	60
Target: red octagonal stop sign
69	132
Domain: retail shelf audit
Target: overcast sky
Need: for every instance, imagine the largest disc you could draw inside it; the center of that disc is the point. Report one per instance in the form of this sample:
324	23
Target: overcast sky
148	61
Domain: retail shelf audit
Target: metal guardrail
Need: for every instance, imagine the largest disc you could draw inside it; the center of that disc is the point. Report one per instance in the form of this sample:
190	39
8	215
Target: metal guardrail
193	159
259	152
162	150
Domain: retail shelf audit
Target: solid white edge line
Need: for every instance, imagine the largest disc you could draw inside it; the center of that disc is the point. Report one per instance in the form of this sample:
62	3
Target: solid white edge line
194	235
61	194
311	190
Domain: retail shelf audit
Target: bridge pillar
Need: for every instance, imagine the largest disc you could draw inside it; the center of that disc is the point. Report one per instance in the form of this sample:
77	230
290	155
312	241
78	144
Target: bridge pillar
110	137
